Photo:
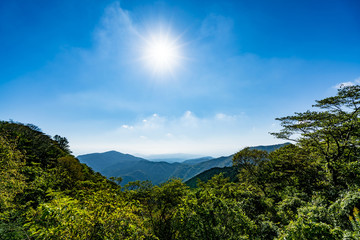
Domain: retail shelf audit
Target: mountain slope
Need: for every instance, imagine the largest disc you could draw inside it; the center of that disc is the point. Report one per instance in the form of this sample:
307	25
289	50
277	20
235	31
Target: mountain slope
224	166
270	148
228	172
197	160
131	168
156	172
100	161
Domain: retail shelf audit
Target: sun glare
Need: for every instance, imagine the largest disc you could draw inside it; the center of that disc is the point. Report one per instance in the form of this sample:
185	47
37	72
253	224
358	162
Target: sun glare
162	54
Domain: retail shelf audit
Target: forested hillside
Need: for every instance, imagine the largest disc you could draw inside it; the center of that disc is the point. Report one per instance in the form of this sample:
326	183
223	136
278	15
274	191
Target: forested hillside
228	171
306	190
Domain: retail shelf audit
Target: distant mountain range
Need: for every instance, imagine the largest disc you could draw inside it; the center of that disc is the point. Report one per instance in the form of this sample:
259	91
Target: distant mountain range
174	157
270	148
131	168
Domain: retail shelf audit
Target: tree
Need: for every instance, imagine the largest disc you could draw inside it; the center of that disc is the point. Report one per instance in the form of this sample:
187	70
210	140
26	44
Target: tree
167	198
63	143
216	210
248	158
104	214
248	162
11	179
159	205
355	223
332	132
311	223
291	166
12	183
36	146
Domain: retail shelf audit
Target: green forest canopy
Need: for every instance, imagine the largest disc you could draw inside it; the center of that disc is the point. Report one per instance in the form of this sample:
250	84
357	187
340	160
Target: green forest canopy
306	190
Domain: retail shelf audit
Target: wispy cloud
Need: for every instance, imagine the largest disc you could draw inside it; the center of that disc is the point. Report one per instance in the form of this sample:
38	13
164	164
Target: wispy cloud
218	134
346	84
114	32
183	126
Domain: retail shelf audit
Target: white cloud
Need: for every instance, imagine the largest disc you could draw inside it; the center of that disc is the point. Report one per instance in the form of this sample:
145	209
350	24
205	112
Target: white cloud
152	122
346	84
187	123
114	32
218	134
227	118
127	126
188	120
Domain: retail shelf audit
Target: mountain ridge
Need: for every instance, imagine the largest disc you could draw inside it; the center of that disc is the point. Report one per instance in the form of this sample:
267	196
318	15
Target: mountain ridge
131	168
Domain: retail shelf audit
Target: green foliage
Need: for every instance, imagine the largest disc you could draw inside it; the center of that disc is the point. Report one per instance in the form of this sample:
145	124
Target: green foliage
31	164
248	162
63	143
103	215
332	132
11	180
69	171
248	158
354	233
12	183
342	208
162	206
212	213
288	207
228	172
312	222
292	166
30	141
209	217
306	229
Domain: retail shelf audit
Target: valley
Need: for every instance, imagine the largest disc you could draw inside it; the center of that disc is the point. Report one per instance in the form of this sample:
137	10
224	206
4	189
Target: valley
131	168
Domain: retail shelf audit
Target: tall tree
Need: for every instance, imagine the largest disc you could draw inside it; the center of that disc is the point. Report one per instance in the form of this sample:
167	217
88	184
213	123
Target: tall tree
332	131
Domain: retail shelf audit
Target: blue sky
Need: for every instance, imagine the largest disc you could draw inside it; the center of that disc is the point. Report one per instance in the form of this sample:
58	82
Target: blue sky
77	69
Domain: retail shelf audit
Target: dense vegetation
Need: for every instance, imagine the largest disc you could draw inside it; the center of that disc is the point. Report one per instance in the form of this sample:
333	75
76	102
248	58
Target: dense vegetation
230	172
306	190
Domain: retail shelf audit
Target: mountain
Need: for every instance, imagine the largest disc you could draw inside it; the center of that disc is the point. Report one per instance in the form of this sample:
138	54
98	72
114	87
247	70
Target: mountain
197	160
131	168
156	172
171	158
228	172
270	148
100	161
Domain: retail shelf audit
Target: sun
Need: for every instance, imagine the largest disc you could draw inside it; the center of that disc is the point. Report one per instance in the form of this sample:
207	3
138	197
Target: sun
162	53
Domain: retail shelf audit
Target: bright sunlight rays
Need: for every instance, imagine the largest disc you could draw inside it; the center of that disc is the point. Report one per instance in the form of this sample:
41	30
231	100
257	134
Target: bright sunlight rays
162	53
